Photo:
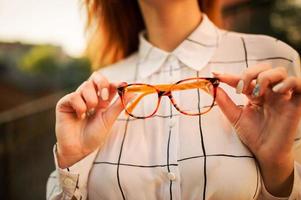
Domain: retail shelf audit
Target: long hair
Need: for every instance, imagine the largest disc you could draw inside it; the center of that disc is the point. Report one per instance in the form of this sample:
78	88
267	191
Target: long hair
113	27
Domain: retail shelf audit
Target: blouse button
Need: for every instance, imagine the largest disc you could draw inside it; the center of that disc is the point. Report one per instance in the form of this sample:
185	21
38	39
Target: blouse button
68	182
171	176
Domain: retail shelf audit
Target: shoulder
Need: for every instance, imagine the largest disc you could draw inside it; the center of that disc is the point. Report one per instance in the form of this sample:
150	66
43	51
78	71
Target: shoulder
262	48
261	45
123	70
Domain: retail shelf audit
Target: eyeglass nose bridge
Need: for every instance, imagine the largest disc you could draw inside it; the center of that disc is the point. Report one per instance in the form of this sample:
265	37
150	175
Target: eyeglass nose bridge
164	93
169	95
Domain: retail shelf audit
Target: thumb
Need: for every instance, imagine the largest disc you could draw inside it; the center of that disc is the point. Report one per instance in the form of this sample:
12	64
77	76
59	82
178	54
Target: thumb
228	107
229	79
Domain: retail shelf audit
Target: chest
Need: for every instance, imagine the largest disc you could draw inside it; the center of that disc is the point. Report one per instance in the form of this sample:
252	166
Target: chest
174	156
183	157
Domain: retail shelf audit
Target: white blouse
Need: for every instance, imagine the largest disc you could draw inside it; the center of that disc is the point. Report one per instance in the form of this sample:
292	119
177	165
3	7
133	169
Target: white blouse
171	155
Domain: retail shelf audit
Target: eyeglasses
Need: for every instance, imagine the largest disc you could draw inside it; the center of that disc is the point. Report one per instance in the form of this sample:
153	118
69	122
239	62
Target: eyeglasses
145	99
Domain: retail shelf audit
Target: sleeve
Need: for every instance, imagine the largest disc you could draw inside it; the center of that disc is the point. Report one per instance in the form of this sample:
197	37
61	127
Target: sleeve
70	183
296	191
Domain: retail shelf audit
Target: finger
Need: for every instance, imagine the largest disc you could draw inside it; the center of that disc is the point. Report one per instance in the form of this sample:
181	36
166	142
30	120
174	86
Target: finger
269	78
113	90
233	81
289	84
102	84
112	93
88	93
73	103
111	114
228	107
250	74
229	79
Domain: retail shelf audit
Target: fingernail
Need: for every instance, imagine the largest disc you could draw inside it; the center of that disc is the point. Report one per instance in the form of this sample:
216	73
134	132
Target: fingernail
105	94
91	112
83	116
256	90
239	87
277	87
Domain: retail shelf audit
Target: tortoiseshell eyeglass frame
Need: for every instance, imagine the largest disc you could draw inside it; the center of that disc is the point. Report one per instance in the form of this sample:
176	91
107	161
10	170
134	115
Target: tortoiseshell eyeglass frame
166	90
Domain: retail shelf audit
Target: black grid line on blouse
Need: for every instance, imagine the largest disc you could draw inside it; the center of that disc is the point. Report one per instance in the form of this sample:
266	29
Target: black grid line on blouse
245	51
123	139
215	155
119	158
232	156
168	152
154	116
160	116
246	60
229	62
257	180
168	143
203	145
134	165
251	60
202	44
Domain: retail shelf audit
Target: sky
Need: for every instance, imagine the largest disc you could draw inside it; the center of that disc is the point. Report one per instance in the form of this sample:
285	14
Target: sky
58	22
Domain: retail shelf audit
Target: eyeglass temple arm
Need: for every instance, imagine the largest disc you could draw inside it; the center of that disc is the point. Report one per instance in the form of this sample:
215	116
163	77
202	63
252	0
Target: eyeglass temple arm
184	86
164	88
133	104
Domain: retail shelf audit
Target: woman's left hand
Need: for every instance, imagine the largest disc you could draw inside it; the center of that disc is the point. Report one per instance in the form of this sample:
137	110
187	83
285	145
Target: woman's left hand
268	124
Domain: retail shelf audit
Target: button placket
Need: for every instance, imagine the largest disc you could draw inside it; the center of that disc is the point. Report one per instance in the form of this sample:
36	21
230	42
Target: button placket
173	64
173	77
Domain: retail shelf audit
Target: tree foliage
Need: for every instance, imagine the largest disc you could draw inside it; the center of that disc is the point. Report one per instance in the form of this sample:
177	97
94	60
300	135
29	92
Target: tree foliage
286	18
41	59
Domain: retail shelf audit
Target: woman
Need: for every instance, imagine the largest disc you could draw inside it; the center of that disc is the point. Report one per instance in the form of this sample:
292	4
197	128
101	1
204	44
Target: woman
246	147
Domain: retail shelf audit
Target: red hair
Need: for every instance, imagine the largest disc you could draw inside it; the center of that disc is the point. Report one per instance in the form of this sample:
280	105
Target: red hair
113	27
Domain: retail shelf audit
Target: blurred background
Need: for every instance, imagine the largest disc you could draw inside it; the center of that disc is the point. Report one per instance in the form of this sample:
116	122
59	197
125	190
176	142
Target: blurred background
42	45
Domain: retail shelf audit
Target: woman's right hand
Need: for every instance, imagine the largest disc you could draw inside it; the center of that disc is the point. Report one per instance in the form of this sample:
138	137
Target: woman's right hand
84	118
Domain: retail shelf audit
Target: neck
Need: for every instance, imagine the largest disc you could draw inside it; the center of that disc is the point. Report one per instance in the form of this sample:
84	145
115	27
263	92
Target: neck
168	24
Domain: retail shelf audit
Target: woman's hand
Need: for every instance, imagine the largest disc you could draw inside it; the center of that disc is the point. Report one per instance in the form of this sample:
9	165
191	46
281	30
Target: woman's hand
84	118
267	125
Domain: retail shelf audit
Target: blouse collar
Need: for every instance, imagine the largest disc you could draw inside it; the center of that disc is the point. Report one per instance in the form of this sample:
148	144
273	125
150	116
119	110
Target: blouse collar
195	51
